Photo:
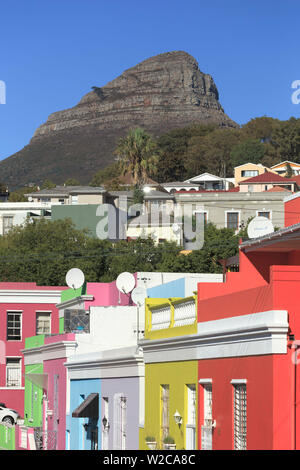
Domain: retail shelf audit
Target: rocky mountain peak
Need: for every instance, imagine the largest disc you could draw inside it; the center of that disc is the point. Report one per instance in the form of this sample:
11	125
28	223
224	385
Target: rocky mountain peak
161	93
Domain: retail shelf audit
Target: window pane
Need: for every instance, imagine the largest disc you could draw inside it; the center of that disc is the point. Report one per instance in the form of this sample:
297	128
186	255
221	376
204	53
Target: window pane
240	417
43	323
165	410
13	326
13	372
232	220
7	224
264	214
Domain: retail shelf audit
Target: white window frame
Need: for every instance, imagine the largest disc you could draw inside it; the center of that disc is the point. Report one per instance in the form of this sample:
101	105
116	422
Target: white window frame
264	210
239	218
11	312
105	431
120	421
239	415
19	368
165	410
41	312
249	171
10	217
206	412
191	413
207	404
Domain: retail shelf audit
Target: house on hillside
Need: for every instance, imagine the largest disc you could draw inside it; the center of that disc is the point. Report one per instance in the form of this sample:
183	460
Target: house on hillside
266	181
281	168
248	170
69	195
13	214
205	181
233	208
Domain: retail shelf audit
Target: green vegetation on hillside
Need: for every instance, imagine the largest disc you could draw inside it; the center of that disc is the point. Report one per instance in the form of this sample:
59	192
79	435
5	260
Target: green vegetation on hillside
184	153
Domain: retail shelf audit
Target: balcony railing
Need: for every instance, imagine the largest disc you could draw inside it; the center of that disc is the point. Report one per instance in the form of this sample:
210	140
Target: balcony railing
172	314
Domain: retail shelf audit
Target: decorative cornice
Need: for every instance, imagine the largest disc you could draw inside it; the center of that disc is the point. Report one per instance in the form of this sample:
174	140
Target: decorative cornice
61	349
246	335
19	296
130	364
71	302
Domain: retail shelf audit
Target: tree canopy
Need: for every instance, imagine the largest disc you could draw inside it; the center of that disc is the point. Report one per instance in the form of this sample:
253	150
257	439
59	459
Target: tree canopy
137	155
43	251
182	153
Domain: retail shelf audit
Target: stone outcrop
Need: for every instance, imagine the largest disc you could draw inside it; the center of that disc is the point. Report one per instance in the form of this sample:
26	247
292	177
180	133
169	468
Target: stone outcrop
159	94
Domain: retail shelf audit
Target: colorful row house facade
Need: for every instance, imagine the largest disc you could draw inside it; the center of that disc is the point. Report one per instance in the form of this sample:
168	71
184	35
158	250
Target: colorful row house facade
207	364
85	387
25	310
229	376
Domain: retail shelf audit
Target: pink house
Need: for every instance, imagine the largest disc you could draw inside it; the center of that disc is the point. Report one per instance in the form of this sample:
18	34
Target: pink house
57	349
25	310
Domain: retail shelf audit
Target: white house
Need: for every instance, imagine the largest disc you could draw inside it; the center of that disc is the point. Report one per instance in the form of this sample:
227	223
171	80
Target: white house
16	213
205	181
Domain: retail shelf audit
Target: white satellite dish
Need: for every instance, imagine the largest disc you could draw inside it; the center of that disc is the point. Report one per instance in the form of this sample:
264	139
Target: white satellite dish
125	282
75	278
138	295
259	226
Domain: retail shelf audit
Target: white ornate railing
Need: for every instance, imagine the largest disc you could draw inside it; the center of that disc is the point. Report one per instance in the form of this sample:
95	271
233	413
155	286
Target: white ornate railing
184	313
161	318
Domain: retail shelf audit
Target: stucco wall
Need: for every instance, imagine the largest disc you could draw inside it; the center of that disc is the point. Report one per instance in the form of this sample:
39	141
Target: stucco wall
79	390
177	375
129	387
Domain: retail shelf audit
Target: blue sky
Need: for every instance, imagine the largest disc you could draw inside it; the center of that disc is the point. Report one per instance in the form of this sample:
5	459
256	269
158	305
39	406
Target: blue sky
53	51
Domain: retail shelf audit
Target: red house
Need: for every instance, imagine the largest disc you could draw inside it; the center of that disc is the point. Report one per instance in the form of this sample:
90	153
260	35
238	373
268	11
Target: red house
247	347
25	310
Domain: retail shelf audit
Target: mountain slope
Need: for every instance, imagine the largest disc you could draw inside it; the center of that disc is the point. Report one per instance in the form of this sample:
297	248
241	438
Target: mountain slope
164	92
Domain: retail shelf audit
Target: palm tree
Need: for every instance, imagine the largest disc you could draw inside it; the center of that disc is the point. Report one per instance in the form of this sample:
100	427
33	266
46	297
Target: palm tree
137	155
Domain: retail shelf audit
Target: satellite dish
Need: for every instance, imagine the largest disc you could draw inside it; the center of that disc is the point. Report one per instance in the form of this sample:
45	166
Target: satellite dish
125	282
75	278
260	226
138	295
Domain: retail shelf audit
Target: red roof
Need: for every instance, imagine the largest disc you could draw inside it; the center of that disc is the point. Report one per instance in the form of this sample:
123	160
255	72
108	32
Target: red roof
268	177
297	179
276	188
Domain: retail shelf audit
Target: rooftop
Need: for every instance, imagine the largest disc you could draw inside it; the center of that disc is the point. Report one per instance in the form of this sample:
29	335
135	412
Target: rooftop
283	240
65	191
207	191
268	177
158	195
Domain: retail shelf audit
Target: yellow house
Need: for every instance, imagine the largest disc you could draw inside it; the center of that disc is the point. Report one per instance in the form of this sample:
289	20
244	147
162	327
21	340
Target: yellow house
170	381
249	170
